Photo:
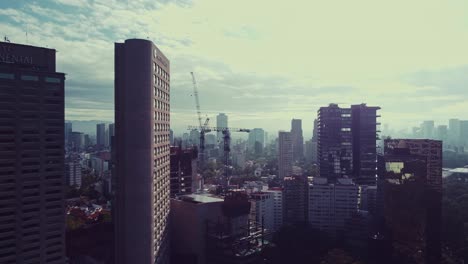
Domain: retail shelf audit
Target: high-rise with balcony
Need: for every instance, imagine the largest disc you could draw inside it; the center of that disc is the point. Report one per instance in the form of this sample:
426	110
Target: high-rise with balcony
335	155
364	133
32	177
347	142
142	85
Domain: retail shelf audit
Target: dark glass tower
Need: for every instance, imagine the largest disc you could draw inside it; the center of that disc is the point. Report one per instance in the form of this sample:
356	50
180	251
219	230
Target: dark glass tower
364	132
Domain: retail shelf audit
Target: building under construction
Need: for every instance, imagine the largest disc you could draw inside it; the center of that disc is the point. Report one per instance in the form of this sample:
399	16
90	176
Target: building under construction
219	230
235	238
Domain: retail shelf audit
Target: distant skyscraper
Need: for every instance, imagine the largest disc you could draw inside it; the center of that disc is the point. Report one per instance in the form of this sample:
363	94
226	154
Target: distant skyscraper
77	141
442	133
73	172
142	118
427	129
194	137
32	175
347	142
454	131
464	133
101	135
68	130
221	121
297	139
256	140
285	154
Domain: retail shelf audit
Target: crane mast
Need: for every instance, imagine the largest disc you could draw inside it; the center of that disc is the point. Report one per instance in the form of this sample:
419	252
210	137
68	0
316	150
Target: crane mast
201	154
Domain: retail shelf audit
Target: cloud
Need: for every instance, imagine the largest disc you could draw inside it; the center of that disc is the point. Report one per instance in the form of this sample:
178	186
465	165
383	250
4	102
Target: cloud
264	64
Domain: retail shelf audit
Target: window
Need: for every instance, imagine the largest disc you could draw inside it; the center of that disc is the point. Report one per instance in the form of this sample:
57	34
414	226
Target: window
52	80
29	78
7	75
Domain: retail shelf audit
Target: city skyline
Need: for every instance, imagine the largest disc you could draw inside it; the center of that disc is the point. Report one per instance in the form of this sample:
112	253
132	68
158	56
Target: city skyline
262	88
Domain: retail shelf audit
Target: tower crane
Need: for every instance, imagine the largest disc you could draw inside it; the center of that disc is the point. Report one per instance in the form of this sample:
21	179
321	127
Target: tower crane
226	131
201	155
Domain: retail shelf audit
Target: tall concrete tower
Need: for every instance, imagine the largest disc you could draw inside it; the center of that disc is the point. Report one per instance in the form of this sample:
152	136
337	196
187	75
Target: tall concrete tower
142	152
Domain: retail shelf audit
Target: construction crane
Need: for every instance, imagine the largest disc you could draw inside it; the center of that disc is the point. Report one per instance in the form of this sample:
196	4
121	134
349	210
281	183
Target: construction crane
226	131
201	153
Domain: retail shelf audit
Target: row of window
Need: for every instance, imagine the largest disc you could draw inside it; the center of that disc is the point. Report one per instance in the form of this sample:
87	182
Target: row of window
161	116
25	77
159	70
161	105
161	127
161	83
161	139
161	94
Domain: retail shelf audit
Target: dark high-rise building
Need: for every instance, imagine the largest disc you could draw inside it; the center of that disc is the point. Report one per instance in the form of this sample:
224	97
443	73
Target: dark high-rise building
101	135
142	152
77	141
364	133
256	141
347	142
32	226
411	201
335	155
431	150
295	195
183	171
297	139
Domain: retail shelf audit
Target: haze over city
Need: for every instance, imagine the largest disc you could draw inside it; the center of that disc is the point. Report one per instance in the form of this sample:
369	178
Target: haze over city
262	62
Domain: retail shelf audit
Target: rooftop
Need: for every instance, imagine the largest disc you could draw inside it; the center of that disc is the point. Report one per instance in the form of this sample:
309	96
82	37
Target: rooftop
201	198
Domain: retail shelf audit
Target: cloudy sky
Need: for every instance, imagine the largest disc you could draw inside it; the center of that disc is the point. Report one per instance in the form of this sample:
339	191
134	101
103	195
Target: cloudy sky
262	62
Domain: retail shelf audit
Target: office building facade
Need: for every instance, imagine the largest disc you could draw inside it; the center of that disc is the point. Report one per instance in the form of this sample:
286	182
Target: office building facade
278	202
331	205
32	220
142	152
